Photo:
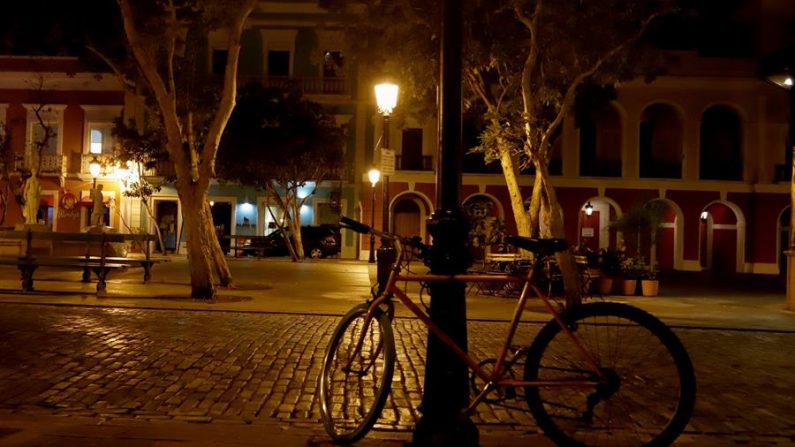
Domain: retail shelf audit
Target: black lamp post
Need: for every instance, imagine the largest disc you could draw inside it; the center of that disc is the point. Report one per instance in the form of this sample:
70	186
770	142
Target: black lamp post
374	174
779	68
446	390
386	99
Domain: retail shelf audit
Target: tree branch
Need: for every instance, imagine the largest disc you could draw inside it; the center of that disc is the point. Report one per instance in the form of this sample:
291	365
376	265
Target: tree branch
571	92
229	90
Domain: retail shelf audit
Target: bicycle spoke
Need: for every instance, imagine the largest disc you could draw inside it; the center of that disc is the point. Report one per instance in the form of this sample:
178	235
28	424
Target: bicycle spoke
640	398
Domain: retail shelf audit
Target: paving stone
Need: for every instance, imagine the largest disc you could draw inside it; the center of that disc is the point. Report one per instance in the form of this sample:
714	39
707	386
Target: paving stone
236	367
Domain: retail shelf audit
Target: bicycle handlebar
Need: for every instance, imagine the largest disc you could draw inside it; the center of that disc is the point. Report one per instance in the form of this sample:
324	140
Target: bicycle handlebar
355	225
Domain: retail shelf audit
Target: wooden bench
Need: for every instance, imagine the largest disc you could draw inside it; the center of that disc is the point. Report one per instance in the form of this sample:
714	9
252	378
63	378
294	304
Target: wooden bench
96	248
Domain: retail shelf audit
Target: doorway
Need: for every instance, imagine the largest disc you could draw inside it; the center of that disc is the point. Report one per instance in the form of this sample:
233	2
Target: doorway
222	220
166	212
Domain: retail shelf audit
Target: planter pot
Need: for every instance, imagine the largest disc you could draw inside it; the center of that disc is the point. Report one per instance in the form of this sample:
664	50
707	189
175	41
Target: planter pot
604	285
650	287
629	286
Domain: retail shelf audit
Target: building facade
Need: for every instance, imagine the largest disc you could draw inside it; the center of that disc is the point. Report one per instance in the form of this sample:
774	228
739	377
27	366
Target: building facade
708	139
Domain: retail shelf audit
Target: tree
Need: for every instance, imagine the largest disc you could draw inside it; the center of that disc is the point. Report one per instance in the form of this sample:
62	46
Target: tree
165	40
280	142
140	151
525	63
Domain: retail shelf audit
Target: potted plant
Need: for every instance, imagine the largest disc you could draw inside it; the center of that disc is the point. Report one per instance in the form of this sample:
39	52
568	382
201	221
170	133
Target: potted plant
609	263
636	223
650	285
633	269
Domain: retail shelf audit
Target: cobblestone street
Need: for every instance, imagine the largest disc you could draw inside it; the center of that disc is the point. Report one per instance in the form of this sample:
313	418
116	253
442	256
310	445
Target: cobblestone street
247	367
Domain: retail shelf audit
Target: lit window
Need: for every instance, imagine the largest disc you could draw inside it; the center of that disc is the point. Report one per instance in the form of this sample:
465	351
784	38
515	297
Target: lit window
100	139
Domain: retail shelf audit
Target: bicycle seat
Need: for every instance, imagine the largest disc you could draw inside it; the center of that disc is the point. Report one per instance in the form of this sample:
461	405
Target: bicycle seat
543	247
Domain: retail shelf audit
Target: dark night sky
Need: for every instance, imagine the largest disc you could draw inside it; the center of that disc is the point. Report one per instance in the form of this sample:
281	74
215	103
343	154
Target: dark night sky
56	27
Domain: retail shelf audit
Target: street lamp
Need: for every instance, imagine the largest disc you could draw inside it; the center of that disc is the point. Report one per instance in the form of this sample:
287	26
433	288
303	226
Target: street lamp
386	98
93	169
373	175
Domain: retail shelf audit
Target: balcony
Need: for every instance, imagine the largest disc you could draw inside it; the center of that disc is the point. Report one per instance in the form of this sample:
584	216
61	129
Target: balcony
162	172
414	164
51	164
309	86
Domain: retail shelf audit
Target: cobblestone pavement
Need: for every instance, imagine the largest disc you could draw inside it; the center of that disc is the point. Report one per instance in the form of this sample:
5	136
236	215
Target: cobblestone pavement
246	367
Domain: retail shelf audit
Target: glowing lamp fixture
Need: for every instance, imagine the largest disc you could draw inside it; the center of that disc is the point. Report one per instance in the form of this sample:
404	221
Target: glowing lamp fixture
588	209
788	81
212	202
386	95
246	207
374	175
704	216
94	167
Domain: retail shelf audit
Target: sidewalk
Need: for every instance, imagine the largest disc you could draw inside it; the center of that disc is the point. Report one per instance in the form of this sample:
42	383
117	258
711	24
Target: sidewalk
331	287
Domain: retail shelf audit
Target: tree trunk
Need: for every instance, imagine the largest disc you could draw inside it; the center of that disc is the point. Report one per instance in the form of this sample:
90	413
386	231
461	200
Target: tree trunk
219	264
510	171
295	229
201	243
571	279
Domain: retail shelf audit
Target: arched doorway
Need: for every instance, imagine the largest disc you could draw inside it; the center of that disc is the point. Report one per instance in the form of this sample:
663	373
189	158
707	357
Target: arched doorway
719	227
407	217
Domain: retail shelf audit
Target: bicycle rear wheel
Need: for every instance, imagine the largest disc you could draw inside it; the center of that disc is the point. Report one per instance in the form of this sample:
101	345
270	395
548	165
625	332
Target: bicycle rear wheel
356	379
648	392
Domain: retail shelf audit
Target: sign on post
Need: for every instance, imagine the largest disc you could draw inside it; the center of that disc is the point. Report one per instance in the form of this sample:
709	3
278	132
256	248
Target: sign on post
387	162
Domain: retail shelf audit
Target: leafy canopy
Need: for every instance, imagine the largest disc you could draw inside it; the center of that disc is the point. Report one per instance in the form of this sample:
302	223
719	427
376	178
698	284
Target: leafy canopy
279	136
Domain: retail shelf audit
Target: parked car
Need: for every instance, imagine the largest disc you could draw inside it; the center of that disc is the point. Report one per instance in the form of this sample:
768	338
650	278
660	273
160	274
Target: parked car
319	242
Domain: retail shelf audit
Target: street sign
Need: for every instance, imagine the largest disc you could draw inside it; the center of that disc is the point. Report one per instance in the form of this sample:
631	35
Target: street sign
387	162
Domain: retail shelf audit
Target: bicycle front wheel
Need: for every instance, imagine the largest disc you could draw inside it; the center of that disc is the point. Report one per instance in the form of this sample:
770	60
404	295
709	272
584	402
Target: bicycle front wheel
647	391
357	374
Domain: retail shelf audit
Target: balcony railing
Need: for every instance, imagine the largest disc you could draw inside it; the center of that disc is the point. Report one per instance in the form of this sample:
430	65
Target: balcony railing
415	164
51	164
309	86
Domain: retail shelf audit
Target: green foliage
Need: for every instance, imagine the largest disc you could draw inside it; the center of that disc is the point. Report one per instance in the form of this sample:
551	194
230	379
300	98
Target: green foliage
279	136
641	220
610	261
144	149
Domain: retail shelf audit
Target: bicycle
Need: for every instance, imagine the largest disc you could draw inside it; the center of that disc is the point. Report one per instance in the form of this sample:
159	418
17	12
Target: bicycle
590	377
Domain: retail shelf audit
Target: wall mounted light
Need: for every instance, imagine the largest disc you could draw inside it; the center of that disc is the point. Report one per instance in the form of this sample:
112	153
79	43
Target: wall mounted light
704	216
588	209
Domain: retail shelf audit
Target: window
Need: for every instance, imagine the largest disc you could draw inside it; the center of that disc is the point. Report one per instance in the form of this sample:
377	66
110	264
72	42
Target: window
600	143
333	63
411	150
720	154
44	126
278	63
661	138
219	61
44	137
100	138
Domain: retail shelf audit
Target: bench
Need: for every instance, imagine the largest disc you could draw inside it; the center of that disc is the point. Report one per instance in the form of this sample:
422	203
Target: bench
96	247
